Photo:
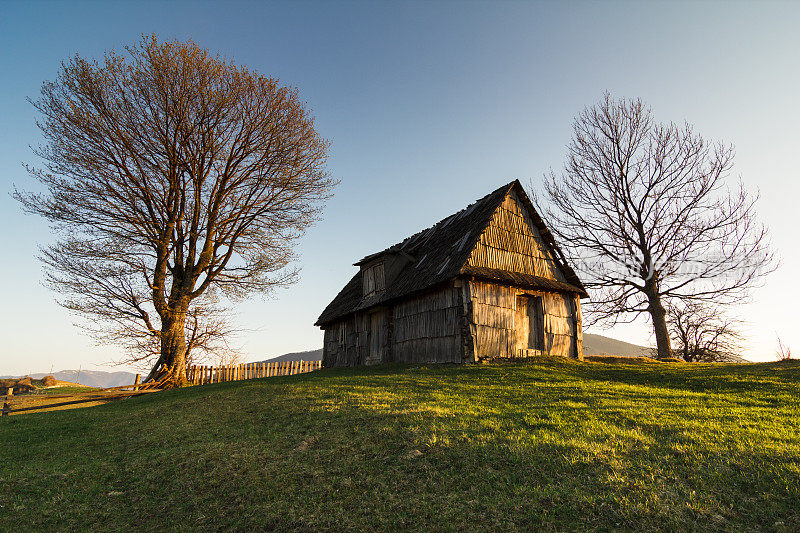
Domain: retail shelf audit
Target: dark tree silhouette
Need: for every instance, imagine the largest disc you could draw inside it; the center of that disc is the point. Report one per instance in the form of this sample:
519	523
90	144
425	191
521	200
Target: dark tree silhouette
644	210
702	333
174	178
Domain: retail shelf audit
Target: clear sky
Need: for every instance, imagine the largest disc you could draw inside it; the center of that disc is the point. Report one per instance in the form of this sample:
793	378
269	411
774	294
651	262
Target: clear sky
429	106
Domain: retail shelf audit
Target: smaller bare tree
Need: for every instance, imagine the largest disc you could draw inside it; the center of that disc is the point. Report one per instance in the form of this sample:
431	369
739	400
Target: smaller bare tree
702	334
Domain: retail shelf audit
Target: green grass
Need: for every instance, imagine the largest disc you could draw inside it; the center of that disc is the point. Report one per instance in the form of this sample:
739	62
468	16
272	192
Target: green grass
65	390
547	445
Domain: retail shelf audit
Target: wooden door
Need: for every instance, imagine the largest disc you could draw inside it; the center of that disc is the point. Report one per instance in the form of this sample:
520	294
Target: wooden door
377	337
535	323
529	323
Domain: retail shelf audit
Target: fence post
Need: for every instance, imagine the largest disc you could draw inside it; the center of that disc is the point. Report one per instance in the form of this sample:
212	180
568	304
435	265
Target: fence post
7	403
137	381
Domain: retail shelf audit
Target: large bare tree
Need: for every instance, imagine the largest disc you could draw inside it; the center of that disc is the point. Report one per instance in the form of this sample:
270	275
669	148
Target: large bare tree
646	212
174	178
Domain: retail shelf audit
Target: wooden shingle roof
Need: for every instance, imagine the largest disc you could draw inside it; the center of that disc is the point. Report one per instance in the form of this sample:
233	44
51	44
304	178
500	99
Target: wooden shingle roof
440	253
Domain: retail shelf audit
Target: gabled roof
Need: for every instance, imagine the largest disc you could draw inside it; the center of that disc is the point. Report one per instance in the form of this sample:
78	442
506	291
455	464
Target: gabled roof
440	253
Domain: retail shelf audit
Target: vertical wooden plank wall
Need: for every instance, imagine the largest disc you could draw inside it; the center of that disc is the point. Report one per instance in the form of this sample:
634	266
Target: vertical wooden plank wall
495	315
494	307
427	328
345	341
512	242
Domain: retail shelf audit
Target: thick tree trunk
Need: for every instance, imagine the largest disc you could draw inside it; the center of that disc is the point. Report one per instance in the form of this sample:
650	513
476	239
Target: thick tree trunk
173	350
659	316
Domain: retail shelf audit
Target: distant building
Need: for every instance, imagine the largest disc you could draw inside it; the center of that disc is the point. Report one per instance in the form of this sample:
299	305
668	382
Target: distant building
487	282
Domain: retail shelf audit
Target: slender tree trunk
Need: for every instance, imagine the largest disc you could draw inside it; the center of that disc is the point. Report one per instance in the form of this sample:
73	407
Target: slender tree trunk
173	348
659	316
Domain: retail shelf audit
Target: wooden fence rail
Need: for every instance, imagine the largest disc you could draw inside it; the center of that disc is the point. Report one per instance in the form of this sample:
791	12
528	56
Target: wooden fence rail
202	375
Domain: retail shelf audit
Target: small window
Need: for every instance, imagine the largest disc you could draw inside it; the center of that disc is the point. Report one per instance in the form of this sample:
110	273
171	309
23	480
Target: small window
374	279
343	334
380	281
369	282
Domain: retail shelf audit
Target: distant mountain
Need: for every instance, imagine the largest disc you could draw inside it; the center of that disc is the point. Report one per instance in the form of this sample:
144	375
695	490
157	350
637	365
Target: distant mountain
311	355
600	345
92	378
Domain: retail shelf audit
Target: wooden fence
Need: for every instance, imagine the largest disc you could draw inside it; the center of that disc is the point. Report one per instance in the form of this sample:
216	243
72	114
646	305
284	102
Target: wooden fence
202	375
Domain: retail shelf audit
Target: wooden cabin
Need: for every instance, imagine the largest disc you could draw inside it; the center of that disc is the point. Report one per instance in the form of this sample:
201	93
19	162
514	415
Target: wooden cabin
487	282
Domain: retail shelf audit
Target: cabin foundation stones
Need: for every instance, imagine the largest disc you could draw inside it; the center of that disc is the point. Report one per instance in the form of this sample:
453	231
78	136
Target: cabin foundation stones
488	282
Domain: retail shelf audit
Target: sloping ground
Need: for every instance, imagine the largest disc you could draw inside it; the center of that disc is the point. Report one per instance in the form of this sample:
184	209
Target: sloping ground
594	344
552	445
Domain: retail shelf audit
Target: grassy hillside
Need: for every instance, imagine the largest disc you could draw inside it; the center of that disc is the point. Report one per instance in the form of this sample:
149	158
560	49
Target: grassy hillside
545	445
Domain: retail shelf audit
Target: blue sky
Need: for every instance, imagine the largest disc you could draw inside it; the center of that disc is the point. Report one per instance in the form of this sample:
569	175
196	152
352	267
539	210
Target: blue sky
429	106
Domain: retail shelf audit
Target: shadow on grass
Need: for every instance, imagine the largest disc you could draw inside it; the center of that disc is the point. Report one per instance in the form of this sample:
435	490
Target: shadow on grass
495	447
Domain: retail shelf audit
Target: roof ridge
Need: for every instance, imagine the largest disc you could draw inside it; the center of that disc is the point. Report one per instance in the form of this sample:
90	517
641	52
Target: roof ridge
446	220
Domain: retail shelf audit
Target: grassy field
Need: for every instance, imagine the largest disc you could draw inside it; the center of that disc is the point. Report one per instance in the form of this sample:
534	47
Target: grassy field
547	445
